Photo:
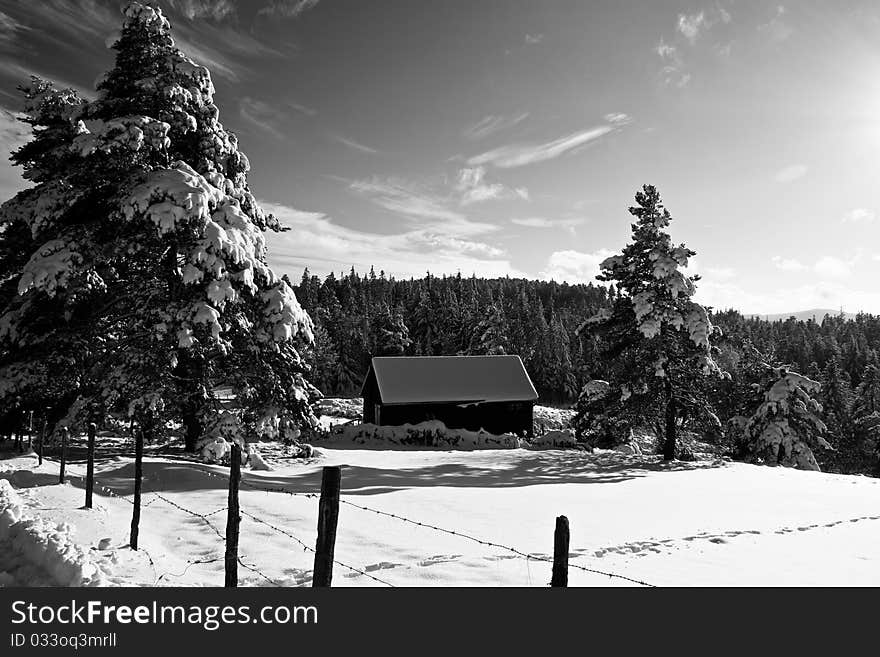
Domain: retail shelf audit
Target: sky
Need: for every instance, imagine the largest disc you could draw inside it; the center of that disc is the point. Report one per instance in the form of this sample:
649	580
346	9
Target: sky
509	137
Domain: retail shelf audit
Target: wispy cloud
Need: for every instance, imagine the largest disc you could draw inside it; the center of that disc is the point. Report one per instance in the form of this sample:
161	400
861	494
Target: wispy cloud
287	8
351	143
24	73
788	264
9	29
532	39
826	267
474	188
860	216
691	26
224	48
791	173
80	21
316	241
777	28
673	72
420	205
518	155
216	62
302	109
617	118
493	123
569	225
430	241
216	10
261	114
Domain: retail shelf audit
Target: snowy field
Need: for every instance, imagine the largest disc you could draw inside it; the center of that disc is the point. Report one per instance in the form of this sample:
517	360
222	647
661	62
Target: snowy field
693	524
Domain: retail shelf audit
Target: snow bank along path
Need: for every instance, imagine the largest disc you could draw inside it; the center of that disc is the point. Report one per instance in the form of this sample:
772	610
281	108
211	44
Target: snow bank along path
668	525
40	552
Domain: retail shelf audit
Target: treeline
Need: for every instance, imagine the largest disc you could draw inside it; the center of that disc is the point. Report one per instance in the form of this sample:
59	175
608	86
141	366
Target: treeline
359	316
839	353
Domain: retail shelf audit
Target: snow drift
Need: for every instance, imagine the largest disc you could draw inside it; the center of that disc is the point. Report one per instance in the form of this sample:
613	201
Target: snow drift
45	551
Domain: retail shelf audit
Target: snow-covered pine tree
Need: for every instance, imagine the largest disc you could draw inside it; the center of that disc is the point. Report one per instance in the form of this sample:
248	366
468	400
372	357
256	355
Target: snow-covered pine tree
391	334
490	335
425	319
562	377
451	323
836	398
322	354
147	218
786	429
349	371
654	339
537	356
43	361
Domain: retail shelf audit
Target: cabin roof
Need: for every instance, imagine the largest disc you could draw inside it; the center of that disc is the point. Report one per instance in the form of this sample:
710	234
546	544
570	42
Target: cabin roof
436	379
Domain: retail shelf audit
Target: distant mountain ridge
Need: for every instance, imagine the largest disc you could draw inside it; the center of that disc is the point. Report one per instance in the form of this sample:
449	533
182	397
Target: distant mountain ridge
817	314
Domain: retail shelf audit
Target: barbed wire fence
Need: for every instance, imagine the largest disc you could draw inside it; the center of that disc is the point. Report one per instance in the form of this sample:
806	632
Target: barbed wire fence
323	549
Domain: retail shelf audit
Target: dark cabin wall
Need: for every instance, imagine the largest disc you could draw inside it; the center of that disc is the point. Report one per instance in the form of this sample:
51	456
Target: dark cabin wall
371	396
497	418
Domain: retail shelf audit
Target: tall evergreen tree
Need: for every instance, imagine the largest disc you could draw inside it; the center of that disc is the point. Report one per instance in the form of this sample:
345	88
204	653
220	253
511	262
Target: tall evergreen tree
424	317
153	243
655	339
562	378
836	400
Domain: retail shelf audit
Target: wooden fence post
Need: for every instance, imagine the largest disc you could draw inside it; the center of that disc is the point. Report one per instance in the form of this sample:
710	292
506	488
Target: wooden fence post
138	477
42	441
560	553
65	434
90	466
233	518
328	514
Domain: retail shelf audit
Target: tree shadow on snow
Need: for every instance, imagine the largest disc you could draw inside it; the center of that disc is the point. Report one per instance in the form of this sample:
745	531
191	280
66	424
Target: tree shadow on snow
504	470
533	469
28	479
529	469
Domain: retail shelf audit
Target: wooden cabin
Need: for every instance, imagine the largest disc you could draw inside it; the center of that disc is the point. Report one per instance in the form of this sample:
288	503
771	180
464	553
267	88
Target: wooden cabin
493	393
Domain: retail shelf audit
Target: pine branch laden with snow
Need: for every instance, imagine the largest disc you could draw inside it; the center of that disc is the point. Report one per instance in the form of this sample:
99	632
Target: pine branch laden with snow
785	429
145	238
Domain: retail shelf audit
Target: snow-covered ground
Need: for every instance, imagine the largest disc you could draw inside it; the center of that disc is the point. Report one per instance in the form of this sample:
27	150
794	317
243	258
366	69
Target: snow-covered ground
549	418
680	524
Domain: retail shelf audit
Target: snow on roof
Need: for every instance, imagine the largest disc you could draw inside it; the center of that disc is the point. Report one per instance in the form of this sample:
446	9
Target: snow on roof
425	379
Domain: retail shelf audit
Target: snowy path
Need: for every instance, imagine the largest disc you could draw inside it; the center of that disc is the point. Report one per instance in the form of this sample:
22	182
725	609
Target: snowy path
680	524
